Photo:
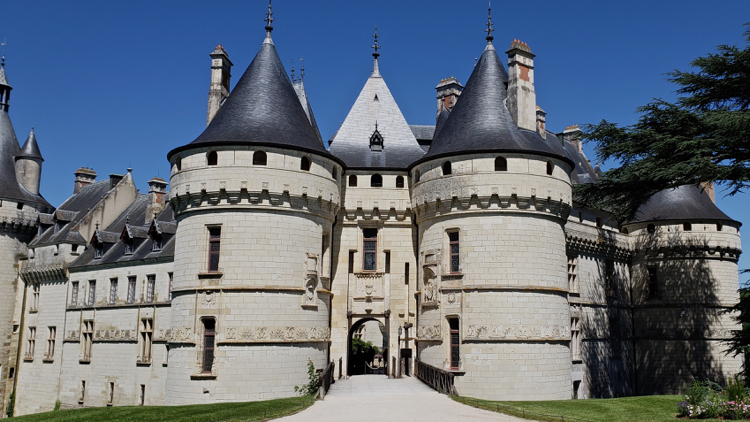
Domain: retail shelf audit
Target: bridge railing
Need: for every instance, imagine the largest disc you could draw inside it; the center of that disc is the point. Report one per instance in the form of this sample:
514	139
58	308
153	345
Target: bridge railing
327	378
438	379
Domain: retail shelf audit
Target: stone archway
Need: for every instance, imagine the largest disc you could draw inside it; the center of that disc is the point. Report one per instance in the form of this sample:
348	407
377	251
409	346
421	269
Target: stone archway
360	362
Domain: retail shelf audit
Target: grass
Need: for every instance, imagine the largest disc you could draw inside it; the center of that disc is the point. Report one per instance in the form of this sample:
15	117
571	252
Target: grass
229	412
627	409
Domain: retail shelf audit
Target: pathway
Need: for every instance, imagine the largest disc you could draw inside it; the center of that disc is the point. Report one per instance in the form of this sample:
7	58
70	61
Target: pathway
365	398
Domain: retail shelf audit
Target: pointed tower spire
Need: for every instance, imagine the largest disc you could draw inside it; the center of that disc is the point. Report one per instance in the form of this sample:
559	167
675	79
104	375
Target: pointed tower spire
489	29
4	88
30	148
293	71
375	54
302	70
269	26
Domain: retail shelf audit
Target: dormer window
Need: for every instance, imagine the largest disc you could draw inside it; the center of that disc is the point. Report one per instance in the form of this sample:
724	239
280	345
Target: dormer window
376	140
157	242
129	247
98	251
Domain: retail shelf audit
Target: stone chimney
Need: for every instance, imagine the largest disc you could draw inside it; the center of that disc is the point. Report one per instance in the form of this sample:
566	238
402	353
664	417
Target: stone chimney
84	176
448	91
573	134
541	121
709	188
115	178
521	94
157	191
221	68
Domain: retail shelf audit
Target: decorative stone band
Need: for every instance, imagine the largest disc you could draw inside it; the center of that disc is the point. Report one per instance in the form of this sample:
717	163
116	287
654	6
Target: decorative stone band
432	206
684	334
478	288
38	274
517	332
209	290
17	225
199	200
685	251
429	333
605	243
385	210
235	335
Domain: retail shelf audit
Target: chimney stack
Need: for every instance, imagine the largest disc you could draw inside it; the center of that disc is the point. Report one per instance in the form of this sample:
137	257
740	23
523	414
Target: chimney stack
573	134
157	189
541	122
521	94
221	68
448	91
84	176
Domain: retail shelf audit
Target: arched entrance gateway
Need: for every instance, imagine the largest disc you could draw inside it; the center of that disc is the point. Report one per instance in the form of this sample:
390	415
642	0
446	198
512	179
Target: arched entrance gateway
368	347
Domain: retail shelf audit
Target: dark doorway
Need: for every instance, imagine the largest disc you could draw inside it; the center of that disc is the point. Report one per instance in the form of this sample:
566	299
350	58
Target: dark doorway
368	348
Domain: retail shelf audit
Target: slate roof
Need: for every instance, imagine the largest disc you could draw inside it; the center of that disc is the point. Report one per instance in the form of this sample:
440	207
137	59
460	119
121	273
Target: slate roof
688	203
30	148
71	211
131	221
481	122
299	89
583	172
375	104
262	109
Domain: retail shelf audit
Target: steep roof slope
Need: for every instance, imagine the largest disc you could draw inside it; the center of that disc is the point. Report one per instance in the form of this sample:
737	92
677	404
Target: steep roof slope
687	203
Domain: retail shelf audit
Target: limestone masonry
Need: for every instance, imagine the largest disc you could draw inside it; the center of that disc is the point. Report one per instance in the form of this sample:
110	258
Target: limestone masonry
458	246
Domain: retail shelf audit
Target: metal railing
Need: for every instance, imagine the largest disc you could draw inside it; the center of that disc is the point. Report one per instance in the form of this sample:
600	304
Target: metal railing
438	379
327	378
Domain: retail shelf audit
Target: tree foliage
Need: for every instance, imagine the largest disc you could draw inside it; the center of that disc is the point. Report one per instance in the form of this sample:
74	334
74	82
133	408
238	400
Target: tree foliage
703	137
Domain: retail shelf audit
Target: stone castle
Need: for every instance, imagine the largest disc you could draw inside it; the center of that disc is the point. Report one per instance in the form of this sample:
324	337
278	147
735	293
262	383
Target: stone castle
462	241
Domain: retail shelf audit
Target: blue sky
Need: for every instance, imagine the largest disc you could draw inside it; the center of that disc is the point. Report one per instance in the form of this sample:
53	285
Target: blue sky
112	85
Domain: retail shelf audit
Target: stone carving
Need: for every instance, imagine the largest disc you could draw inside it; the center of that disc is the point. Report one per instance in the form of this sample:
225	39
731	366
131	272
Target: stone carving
430	332
429	288
520	332
451	298
277	334
688	333
311	295
73	335
114	335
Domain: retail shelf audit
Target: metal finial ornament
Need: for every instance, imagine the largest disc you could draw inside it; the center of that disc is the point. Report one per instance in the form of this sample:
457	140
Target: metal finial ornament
302	70
292	70
97	226
269	19
489	24
375	46
3	62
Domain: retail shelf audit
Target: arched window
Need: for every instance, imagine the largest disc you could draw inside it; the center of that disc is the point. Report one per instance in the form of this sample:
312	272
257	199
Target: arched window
376	181
305	164
624	231
550	167
335	173
447	168
417	175
400	181
178	163
213	158
651	228
687	227
260	158
353	180
501	164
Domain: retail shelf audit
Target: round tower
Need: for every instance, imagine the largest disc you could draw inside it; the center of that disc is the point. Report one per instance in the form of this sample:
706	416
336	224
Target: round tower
255	196
491	201
684	276
29	164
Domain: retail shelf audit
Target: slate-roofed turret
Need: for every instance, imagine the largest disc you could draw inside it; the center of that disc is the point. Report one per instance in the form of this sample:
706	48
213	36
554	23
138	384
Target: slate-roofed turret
262	109
481	122
687	202
30	148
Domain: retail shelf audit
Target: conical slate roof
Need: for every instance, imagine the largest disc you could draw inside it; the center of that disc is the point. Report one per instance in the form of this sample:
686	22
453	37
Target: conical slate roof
688	203
481	122
262	109
30	148
3	78
299	89
375	106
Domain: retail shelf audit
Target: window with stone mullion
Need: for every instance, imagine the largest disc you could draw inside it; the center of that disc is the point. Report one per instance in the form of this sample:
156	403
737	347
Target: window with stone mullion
370	247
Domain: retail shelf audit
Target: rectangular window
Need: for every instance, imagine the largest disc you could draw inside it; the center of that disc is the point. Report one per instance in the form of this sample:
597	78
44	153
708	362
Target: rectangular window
453	239
170	286
129	247
387	262
35	298
214	248
653	283
98	251
142	397
150	287
573	274
575	339
31	343
131	289
454	343
147	332
88	337
406	273
351	262
82	396
52	334
92	292
371	249
111	394
209	336
112	291
74	294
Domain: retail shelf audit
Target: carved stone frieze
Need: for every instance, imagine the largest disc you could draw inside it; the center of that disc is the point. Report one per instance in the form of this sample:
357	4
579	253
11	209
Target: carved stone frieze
517	332
429	332
115	335
276	334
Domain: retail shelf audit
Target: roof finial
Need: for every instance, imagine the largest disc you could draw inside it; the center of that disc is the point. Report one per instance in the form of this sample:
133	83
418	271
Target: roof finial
97	226
127	219
292	70
489	24
3	62
269	20
375	54
302	70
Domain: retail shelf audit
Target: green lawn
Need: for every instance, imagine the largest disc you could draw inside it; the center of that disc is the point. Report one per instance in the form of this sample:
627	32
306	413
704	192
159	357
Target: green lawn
627	409
229	412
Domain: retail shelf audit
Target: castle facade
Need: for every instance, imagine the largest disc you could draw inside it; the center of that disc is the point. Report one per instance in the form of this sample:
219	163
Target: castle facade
462	241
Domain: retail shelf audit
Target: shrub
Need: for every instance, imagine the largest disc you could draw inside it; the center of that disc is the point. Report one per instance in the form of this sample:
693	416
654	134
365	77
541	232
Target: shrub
312	387
705	399
11	404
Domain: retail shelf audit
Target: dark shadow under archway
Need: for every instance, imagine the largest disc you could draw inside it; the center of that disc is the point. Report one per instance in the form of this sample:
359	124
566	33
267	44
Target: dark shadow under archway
364	359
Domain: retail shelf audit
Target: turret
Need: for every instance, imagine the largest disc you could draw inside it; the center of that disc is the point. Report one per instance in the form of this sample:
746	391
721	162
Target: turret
29	165
221	73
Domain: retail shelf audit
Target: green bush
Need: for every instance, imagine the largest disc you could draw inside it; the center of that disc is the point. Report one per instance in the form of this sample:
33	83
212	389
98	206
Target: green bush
11	404
705	399
312	387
